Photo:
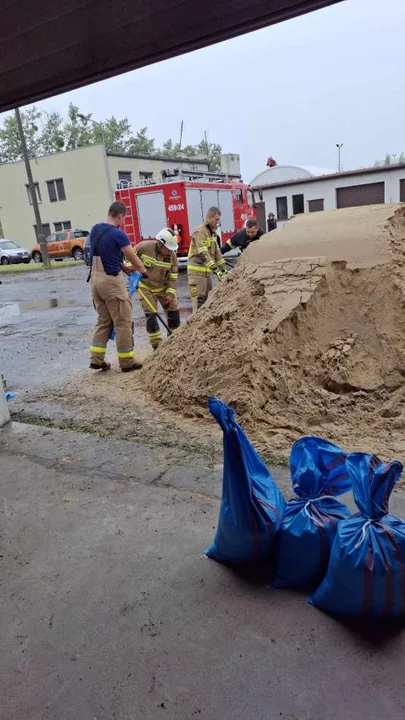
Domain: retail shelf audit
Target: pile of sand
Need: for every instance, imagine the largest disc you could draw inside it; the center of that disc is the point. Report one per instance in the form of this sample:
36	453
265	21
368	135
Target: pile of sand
305	344
360	235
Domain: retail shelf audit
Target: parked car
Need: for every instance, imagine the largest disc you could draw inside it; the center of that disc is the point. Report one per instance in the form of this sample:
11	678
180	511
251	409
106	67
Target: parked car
87	251
10	253
69	243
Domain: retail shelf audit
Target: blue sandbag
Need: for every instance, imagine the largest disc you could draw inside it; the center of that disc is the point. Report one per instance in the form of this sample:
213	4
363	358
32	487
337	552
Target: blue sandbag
252	505
366	573
303	543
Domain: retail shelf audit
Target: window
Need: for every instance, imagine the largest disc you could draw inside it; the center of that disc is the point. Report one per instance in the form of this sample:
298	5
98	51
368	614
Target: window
298	204
250	198
145	175
64	225
239	196
7	245
51	238
315	205
56	190
124	178
39	199
60	237
282	208
402	190
46	229
81	233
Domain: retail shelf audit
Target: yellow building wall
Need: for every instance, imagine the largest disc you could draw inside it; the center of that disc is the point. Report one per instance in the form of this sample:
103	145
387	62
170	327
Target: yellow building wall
84	174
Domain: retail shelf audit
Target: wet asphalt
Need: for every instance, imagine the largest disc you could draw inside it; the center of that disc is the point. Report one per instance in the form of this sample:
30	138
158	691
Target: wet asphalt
46	322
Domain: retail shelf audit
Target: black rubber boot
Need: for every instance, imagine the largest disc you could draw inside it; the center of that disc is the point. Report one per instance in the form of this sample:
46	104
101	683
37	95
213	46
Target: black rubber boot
173	319
131	368
105	366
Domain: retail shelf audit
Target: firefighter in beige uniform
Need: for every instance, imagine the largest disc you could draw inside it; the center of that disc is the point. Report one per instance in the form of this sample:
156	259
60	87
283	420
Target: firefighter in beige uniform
204	258
160	259
108	246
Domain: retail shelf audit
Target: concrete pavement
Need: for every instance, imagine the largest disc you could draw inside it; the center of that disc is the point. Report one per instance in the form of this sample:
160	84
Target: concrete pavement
108	611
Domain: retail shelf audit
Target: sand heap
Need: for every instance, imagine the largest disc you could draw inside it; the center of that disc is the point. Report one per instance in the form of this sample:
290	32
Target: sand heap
305	344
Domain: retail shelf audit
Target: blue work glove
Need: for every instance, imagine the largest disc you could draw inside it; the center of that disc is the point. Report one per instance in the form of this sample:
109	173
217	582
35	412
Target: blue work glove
133	282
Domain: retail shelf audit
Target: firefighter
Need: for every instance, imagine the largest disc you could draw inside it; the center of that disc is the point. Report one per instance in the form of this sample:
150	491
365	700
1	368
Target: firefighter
243	238
108	245
204	258
160	258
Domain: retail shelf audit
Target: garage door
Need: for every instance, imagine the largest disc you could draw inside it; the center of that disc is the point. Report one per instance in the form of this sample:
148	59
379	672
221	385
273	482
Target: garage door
367	194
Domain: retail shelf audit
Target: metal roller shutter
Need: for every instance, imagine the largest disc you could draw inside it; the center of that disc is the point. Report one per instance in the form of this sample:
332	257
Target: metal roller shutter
366	194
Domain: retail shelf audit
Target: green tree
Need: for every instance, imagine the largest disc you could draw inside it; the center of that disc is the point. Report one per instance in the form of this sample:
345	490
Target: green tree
213	152
141	143
10	147
169	149
391	159
79	130
53	134
189	150
117	134
47	133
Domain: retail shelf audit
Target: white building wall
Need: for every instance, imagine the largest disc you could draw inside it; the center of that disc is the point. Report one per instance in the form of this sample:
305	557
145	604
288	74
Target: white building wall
325	189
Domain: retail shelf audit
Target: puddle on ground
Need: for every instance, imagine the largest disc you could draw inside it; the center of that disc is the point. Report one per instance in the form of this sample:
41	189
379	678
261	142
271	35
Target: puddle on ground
15	309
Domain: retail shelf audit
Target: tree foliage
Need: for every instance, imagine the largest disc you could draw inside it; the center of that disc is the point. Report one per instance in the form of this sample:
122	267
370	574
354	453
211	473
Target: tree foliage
391	159
10	148
140	143
48	133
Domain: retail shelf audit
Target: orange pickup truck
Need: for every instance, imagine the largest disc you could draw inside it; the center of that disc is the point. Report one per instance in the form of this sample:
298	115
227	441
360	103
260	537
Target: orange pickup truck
69	243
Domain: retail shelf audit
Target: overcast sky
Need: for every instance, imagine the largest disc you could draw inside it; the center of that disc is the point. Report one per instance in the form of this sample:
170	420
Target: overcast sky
292	91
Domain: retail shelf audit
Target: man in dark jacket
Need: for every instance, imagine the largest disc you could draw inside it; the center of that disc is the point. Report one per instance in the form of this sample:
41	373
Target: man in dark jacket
244	237
271	222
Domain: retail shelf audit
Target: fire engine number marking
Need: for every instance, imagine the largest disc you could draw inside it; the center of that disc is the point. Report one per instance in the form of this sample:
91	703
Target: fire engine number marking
173	208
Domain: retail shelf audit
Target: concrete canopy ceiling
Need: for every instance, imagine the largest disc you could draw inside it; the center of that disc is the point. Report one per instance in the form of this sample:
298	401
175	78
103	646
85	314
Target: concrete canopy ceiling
51	46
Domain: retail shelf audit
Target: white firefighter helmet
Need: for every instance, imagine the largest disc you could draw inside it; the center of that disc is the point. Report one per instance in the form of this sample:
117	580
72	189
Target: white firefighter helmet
168	239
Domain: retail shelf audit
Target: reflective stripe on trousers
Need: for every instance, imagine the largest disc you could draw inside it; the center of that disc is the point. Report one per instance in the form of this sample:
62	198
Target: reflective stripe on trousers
199	285
114	310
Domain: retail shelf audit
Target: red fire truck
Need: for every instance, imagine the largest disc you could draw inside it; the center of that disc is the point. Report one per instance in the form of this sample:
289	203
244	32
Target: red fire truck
180	201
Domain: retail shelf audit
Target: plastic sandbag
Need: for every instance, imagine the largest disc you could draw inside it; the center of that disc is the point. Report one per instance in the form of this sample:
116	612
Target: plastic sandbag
366	573
303	543
252	506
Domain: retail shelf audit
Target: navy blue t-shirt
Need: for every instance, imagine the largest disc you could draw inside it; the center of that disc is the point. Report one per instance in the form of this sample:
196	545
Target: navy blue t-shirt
110	246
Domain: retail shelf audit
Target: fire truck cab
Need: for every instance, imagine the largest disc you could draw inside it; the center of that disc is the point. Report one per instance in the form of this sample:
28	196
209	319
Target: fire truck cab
181	201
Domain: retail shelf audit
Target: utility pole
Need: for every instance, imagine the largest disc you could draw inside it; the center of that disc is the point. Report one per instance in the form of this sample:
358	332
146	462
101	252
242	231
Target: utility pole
32	191
181	133
339	147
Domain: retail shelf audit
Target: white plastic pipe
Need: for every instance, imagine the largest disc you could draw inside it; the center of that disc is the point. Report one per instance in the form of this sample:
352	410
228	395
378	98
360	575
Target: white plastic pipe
4	412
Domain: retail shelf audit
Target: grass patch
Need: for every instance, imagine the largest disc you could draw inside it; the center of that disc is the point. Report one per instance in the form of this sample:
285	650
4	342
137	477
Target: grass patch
68	425
38	267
